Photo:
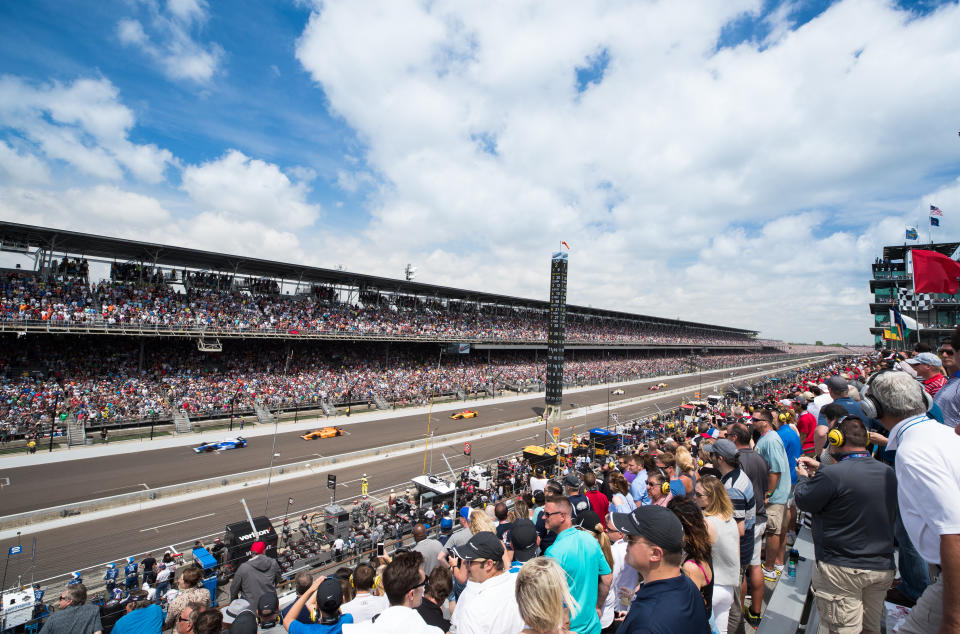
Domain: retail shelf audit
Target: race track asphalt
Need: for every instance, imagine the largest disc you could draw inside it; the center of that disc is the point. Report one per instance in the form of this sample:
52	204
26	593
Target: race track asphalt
96	542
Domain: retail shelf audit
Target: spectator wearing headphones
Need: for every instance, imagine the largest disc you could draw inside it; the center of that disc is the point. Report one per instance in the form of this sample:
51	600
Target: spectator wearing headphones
658	488
928	493
853	503
404	583
365	605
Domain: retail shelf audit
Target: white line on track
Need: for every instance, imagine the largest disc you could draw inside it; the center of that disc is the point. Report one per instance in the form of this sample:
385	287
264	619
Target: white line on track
189	519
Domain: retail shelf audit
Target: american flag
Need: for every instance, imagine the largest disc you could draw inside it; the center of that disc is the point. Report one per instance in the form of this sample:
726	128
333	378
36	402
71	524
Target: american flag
935	211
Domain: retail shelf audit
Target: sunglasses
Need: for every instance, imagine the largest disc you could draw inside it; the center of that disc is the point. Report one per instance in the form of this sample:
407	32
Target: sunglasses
549	513
422	584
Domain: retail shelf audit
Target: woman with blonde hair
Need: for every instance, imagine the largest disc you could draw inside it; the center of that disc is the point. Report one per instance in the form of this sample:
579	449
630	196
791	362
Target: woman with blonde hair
520	510
480	522
544	597
725	532
686	467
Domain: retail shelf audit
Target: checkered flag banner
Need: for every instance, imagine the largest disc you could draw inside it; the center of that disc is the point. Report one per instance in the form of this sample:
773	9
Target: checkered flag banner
913	302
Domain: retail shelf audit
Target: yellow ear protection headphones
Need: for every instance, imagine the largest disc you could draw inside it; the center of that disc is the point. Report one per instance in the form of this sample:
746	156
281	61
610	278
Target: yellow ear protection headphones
783	417
835	436
665	485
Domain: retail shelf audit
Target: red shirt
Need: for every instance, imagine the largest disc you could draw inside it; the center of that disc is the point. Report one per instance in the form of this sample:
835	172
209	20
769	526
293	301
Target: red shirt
600	504
934	383
805	425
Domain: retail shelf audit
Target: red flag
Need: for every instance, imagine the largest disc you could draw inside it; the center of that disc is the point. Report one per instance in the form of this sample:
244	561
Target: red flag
934	272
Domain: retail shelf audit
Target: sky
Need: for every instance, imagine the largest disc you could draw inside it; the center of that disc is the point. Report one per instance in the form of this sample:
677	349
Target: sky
739	162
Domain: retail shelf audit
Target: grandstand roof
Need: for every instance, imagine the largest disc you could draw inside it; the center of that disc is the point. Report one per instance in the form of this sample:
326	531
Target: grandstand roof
16	237
898	251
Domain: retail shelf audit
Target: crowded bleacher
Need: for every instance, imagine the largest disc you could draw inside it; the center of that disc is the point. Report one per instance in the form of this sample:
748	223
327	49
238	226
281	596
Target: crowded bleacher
215	302
687	525
102	379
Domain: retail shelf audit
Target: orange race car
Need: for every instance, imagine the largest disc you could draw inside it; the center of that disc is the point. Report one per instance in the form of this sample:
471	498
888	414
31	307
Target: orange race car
326	432
467	413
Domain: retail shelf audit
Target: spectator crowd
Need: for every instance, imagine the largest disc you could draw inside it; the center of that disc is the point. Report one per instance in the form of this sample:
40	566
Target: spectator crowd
104	380
208	302
687	528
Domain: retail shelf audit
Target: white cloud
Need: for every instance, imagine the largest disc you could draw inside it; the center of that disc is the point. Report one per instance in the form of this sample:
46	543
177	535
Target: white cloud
249	189
172	43
110	210
131	32
99	209
688	177
83	124
22	167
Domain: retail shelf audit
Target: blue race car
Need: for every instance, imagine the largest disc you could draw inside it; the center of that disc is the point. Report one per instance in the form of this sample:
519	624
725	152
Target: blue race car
223	445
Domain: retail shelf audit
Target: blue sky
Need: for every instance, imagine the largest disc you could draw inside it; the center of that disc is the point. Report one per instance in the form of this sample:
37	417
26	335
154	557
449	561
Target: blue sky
696	158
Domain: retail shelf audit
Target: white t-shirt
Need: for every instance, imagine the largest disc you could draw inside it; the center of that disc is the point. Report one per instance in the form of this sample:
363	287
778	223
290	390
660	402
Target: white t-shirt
396	618
365	606
818	403
623	582
488	608
537	484
928	482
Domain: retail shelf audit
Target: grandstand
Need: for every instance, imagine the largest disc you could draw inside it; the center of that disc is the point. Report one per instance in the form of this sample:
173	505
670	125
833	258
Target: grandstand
156	289
135	347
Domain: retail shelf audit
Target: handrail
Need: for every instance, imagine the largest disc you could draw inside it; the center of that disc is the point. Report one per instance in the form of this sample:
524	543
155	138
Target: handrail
792	597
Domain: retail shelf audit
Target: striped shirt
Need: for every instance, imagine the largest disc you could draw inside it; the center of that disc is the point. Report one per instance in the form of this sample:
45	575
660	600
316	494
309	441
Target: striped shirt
740	490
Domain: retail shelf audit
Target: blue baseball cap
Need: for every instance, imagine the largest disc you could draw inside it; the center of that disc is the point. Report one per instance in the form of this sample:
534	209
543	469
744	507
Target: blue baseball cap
465	512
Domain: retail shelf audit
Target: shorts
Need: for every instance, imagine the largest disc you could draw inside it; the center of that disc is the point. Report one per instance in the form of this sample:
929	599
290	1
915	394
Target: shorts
849	599
758	531
776	518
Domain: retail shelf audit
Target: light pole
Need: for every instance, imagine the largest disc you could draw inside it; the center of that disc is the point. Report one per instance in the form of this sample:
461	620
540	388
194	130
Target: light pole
273	454
286	512
608	405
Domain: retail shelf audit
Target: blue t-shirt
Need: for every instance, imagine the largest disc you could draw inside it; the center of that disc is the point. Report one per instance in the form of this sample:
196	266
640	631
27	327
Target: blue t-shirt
317	628
793	447
770	448
667	606
638	488
148	619
580	556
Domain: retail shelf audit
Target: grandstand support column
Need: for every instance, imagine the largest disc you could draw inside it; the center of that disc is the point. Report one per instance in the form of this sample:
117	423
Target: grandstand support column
53	415
140	359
